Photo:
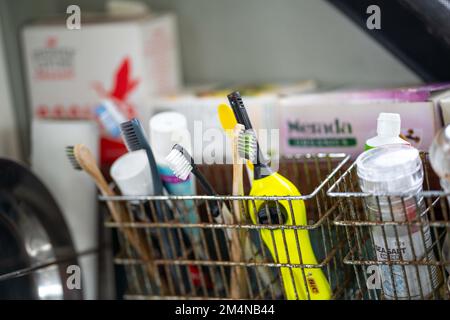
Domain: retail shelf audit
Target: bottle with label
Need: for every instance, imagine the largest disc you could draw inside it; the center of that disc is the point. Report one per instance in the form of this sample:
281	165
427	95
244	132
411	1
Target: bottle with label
398	169
388	131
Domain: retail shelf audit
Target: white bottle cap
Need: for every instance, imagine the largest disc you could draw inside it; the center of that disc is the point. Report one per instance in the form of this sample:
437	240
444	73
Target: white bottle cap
167	129
388	125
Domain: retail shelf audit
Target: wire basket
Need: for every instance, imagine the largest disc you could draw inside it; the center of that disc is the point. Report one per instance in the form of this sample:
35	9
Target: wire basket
211	258
395	240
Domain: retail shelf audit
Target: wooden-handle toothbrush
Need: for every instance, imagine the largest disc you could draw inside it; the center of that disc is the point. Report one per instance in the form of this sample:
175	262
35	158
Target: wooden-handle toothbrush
82	159
238	289
228	122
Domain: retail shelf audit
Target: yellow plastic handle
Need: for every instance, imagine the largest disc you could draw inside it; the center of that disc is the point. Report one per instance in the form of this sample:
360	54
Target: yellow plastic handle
294	247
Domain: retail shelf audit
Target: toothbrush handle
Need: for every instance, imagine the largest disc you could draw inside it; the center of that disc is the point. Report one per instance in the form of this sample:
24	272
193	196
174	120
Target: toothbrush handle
213	204
120	215
157	184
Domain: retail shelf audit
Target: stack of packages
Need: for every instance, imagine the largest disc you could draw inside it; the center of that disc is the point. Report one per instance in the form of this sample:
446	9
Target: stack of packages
319	122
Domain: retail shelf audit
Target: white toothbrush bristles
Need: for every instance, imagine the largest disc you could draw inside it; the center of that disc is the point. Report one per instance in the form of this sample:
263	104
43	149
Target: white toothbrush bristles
247	145
180	166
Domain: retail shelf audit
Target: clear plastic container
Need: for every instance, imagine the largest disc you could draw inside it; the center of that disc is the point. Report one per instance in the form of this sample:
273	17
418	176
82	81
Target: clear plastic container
398	169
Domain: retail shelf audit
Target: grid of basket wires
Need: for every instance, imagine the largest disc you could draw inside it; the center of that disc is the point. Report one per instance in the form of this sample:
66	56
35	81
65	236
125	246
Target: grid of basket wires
397	243
191	254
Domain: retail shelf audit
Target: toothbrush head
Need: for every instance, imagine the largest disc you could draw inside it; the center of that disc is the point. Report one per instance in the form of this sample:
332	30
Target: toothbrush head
135	139
82	158
70	152
247	145
180	162
133	135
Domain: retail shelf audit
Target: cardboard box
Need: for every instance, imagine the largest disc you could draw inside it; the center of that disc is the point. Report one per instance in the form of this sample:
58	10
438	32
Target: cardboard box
341	122
204	126
199	105
128	60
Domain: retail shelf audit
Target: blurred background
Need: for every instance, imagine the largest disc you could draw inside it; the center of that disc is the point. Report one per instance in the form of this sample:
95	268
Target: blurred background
231	41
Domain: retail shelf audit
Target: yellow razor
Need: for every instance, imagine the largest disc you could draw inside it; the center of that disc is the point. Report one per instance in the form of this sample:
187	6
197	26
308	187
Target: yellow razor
287	246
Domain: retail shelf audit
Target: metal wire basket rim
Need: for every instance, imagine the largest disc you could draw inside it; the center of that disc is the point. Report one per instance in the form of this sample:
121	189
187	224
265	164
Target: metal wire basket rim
185	262
142	224
171	225
344	160
201	197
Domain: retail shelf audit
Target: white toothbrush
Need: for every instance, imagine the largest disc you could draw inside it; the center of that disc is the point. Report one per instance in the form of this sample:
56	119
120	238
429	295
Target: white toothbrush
182	164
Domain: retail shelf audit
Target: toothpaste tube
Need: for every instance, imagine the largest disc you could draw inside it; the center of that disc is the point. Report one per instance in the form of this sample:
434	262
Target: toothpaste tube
110	117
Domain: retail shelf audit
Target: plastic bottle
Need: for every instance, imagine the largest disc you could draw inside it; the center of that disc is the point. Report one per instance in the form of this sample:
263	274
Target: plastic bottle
398	169
388	131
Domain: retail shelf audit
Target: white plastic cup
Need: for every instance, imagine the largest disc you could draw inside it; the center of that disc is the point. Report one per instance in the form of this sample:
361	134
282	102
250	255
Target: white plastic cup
131	173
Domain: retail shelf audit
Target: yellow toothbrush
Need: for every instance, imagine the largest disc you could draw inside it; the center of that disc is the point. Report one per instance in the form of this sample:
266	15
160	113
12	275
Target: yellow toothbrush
229	124
287	246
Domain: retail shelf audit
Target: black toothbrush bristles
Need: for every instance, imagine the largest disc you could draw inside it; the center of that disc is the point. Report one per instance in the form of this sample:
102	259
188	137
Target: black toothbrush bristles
72	159
130	136
135	139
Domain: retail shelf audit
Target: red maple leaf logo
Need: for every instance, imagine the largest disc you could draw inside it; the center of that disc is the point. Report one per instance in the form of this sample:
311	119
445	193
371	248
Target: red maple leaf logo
123	84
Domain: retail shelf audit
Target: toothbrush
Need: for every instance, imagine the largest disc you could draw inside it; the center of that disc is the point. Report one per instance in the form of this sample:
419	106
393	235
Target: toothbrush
134	137
299	283
110	117
228	122
238	186
182	164
238	274
81	158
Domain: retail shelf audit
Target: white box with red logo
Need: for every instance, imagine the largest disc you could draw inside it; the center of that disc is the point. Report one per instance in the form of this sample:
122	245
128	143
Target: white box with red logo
128	60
